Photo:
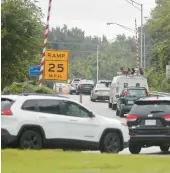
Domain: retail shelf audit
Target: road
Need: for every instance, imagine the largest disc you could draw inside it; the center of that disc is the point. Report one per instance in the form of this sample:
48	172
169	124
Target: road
101	108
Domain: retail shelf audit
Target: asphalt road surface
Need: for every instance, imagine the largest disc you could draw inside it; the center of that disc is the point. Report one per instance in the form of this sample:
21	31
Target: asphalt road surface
101	108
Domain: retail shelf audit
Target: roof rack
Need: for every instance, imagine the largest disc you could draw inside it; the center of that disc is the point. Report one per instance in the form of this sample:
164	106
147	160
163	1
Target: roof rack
41	94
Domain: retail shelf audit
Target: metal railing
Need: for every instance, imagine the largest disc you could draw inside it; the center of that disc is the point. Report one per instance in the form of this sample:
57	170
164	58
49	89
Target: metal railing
157	93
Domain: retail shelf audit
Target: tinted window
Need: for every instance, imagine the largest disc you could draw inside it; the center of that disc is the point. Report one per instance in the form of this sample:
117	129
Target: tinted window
136	93
72	109
30	105
6	103
147	107
49	106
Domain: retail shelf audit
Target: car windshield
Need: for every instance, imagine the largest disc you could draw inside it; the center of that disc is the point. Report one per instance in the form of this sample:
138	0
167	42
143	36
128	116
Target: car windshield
136	93
151	107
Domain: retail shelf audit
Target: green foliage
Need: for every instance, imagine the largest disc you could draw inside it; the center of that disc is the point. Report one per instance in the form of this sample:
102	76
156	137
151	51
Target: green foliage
159	31
83	49
22	34
18	88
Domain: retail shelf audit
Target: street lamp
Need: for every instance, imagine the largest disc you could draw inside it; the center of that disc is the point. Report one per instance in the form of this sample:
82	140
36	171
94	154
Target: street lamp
132	30
133	3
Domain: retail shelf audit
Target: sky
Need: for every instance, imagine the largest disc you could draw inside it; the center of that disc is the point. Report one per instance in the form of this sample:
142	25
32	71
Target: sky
92	15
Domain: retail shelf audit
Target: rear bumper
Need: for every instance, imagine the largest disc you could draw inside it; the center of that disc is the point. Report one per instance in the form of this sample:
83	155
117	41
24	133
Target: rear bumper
150	139
100	97
85	91
6	138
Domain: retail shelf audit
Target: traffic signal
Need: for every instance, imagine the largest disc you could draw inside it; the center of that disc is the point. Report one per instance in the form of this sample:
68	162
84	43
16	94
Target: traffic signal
133	71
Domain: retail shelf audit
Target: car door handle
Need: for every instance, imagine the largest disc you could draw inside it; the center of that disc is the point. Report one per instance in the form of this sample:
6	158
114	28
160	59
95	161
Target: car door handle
73	120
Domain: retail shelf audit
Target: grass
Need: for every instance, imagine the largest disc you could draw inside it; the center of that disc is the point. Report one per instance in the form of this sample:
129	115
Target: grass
53	161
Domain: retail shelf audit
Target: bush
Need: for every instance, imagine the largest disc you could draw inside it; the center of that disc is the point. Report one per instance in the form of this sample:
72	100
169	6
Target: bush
18	88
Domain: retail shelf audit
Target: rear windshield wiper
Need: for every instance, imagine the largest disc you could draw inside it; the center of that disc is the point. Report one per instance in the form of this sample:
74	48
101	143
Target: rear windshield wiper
156	111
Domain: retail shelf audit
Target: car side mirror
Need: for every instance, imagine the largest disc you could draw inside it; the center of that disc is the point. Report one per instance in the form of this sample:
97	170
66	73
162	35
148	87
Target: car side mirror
91	115
117	96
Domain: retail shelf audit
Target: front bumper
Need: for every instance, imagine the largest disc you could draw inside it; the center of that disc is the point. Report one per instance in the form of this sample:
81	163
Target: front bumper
6	138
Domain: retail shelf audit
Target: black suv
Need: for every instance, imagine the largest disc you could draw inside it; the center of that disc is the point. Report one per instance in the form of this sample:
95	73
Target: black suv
85	87
127	98
149	124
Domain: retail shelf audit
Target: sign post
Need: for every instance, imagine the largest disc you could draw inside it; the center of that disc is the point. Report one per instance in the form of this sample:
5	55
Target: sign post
56	65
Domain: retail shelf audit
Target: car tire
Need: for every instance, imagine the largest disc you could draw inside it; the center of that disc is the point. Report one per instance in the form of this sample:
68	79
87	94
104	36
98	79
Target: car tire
111	143
92	100
164	148
134	149
30	140
114	106
70	92
110	105
117	112
121	113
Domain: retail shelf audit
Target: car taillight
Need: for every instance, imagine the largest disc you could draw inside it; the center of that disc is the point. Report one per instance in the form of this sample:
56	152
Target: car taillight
6	112
167	117
131	117
125	93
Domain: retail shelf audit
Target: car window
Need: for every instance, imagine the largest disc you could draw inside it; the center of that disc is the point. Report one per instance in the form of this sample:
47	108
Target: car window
72	109
136	93
29	105
147	107
49	106
6	103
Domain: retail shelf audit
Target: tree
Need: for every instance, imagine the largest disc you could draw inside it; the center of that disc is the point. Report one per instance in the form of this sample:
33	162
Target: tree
22	33
159	31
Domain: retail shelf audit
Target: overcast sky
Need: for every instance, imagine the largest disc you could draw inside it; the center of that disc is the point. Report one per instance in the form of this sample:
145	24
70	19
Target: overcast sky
92	15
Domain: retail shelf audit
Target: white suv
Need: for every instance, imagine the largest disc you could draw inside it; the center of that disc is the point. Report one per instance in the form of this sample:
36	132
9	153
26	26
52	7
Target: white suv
41	121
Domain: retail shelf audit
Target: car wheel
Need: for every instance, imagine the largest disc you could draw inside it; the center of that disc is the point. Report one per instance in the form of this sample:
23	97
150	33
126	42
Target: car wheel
92	100
114	106
110	105
111	143
70	92
134	149
117	112
164	148
121	113
30	140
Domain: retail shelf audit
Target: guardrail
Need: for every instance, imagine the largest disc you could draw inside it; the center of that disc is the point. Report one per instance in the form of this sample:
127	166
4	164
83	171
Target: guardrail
156	93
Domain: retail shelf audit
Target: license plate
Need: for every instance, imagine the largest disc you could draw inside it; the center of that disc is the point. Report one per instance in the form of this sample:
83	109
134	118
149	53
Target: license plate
130	102
150	122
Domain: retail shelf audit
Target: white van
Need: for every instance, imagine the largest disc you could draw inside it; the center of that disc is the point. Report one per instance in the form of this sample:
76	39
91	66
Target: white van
122	81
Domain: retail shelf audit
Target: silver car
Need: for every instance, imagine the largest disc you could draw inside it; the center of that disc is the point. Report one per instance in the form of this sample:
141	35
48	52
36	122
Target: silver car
100	92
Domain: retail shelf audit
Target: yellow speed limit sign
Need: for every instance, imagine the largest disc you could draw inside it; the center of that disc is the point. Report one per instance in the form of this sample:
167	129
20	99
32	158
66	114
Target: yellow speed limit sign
56	65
